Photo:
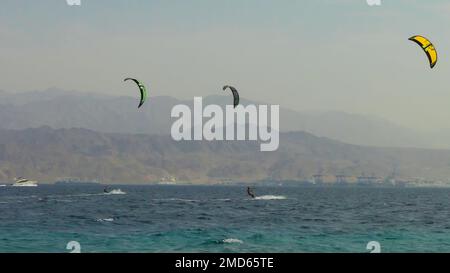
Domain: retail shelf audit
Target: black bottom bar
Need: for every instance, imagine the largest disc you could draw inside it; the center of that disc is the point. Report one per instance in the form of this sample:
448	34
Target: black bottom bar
222	262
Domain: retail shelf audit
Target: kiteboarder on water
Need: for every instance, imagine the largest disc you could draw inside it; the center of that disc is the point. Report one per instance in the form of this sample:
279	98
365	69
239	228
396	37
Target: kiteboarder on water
250	192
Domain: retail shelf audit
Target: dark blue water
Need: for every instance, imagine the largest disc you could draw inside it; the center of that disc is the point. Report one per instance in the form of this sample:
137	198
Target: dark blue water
223	219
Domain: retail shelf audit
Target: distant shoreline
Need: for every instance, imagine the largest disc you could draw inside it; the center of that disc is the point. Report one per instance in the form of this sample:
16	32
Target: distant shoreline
237	184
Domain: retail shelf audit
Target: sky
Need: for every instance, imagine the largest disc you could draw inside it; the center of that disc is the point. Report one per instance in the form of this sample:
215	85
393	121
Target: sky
320	55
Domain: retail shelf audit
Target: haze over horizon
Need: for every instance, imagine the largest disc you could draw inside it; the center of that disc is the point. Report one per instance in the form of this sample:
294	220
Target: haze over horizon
304	55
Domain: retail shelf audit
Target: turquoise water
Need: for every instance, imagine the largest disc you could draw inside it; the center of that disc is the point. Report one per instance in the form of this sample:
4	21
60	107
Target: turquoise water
223	219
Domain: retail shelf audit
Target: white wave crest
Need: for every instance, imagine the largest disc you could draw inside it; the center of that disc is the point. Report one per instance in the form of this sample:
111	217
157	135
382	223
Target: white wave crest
232	241
106	220
116	191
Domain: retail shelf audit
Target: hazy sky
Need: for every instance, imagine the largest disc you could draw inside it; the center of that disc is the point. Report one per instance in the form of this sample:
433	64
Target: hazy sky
305	55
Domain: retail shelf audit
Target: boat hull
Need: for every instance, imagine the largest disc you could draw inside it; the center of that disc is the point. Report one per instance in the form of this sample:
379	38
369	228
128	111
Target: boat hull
26	184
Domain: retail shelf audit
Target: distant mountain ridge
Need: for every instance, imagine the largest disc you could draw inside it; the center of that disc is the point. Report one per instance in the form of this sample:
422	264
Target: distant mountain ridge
47	154
70	109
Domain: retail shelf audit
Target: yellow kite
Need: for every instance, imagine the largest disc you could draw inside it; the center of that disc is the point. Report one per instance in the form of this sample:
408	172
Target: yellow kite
428	47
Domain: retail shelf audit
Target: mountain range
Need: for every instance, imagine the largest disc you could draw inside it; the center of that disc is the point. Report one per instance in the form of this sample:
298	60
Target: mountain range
69	109
54	134
49	154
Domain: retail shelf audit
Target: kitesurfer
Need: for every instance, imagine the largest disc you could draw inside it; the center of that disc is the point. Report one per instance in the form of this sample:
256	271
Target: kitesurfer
250	192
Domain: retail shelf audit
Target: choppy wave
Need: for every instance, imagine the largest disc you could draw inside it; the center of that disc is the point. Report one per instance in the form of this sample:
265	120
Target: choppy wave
270	197
193	200
232	241
64	200
116	191
177	199
105	220
77	195
11	202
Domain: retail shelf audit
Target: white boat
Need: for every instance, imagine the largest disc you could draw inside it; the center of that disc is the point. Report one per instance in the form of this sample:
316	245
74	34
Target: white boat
23	182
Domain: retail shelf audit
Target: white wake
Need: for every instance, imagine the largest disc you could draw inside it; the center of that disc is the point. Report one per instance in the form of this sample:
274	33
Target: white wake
270	197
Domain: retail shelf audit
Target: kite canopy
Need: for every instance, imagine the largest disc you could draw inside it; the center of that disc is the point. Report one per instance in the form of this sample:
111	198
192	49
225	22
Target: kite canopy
235	94
142	90
428	47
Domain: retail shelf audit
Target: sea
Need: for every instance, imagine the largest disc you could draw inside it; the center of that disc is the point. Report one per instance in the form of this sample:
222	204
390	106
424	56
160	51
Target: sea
211	219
